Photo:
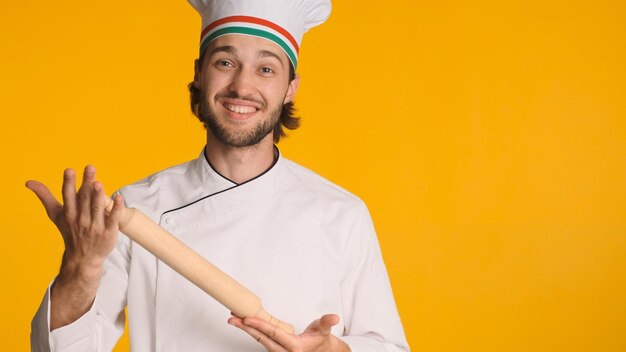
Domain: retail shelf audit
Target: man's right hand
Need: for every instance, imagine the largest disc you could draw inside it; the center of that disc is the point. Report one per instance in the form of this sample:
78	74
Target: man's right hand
89	234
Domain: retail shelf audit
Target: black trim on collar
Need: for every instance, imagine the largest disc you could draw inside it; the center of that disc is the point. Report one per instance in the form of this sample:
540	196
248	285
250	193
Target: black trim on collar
214	169
229	188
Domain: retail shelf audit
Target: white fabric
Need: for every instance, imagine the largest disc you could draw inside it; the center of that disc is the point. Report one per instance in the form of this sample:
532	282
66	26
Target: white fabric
305	246
295	16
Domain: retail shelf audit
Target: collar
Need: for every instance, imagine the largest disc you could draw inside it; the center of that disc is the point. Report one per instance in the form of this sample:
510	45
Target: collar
218	193
208	162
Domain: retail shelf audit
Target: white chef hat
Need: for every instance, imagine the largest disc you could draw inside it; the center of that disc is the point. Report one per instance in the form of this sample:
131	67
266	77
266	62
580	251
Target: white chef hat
281	21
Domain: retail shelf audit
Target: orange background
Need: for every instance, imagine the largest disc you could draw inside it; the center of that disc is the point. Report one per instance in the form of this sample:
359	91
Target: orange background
488	139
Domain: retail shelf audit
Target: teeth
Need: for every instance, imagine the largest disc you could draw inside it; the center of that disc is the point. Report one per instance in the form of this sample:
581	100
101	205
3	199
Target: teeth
241	109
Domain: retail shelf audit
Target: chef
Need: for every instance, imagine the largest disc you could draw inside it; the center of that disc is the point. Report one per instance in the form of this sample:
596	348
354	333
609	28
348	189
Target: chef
305	246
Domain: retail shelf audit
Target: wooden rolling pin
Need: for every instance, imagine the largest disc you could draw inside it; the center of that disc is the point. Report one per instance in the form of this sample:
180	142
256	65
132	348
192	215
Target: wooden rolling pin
184	260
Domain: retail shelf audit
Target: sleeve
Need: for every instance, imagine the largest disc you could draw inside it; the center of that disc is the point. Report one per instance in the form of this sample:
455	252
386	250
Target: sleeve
371	318
99	328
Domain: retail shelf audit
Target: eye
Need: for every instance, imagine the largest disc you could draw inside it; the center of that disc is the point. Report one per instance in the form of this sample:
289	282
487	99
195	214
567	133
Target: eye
267	70
224	63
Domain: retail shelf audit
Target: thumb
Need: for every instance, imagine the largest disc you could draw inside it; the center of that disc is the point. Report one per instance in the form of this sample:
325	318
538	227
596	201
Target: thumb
50	203
323	325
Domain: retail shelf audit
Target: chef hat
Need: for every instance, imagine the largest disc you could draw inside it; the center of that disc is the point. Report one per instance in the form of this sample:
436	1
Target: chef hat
281	21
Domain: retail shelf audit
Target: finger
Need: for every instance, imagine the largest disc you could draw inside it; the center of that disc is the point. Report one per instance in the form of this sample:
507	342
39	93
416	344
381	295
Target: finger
273	332
235	321
267	342
328	321
323	325
97	206
84	196
69	194
115	216
50	203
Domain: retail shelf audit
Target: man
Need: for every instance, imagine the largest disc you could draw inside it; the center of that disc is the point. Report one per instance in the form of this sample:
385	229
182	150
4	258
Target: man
306	247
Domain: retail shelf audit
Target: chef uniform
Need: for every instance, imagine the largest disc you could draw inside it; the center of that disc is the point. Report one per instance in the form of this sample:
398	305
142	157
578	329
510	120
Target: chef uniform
303	245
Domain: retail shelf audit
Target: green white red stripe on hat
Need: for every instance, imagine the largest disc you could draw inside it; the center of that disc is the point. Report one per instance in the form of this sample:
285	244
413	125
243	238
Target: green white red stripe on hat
253	26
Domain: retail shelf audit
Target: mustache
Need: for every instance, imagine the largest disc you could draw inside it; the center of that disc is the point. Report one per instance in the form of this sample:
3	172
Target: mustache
234	95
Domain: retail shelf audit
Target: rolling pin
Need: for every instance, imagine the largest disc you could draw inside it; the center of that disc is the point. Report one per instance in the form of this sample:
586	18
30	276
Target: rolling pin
195	268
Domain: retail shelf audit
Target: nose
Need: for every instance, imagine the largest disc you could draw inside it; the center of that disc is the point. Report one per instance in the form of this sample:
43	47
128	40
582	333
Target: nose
243	82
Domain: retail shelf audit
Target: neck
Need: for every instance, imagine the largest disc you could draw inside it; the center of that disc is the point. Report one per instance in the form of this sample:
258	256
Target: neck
240	164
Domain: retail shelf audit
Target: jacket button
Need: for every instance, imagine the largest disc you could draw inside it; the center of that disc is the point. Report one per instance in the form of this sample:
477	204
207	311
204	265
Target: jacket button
169	220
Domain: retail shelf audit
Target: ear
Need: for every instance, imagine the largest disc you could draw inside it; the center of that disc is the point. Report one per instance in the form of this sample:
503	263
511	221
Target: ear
292	89
196	73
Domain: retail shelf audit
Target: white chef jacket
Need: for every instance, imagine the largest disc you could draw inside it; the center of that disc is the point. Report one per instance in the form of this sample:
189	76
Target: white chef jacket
305	246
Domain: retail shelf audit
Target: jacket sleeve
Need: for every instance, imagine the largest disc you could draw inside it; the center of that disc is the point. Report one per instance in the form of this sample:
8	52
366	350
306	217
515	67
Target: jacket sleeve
370	316
99	328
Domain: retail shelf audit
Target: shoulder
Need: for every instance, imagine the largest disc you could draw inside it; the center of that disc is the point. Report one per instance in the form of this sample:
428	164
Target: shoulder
341	216
159	179
162	189
312	185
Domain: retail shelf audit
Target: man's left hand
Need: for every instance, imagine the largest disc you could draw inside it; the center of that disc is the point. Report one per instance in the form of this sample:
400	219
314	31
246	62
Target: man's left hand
316	337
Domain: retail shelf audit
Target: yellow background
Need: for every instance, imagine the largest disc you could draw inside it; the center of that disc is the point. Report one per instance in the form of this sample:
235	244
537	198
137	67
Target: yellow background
487	137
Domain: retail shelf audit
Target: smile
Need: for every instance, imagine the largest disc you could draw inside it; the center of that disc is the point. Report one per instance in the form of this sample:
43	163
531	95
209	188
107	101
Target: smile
239	109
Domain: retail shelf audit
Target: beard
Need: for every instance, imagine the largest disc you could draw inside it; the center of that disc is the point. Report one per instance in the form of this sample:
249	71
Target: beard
240	139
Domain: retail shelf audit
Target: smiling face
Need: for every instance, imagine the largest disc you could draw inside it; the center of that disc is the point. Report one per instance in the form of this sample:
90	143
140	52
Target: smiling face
245	83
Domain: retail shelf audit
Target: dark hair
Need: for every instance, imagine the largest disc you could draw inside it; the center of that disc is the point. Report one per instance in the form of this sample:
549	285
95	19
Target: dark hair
287	118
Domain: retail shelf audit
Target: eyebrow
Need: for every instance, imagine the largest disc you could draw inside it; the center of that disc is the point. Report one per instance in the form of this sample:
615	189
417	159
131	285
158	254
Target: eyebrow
267	53
223	49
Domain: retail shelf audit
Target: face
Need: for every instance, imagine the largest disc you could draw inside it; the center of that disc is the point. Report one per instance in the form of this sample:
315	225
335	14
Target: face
245	82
